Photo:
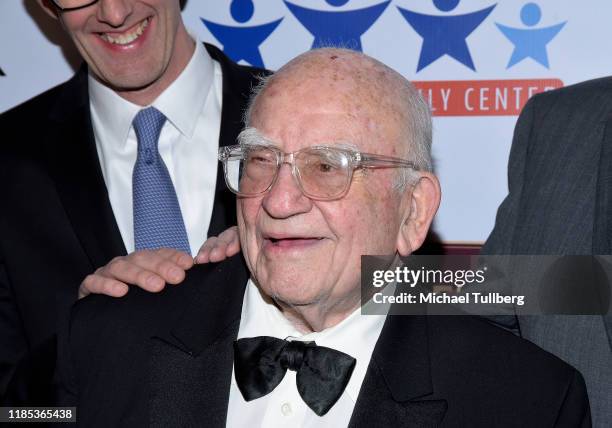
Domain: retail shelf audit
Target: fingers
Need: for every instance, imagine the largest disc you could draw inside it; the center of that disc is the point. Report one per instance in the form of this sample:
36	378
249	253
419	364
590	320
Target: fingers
203	255
230	246
182	260
218	248
147	269
96	285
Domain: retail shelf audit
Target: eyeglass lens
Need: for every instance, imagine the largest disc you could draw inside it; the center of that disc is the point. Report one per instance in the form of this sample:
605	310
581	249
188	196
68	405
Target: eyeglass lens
321	173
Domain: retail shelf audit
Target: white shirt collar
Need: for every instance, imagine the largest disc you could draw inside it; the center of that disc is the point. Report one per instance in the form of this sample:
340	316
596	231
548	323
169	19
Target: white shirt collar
184	99
356	335
181	102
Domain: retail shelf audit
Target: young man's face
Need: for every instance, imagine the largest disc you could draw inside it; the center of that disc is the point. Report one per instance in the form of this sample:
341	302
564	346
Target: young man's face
131	45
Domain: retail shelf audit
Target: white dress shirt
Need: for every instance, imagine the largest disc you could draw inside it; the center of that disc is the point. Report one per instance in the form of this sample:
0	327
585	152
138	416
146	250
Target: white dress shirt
188	144
356	336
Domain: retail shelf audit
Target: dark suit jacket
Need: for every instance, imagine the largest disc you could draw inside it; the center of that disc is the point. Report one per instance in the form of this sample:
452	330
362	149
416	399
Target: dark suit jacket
560	202
56	222
166	360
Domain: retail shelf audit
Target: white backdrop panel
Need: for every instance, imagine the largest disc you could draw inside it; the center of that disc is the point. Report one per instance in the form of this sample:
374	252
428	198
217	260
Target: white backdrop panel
470	148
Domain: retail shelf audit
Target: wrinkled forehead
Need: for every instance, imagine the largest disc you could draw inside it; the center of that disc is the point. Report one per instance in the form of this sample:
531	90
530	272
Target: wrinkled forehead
349	81
296	128
326	105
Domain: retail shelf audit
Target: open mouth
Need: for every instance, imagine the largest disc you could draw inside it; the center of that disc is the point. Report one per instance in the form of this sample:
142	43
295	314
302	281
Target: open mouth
128	36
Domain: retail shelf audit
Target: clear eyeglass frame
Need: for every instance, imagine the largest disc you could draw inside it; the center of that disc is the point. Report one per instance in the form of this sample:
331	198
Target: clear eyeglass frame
350	160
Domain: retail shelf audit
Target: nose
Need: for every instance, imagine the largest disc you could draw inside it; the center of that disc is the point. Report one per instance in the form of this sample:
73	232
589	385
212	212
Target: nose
285	199
114	12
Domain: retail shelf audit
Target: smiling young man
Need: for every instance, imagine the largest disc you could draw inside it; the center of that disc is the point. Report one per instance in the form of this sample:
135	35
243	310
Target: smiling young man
335	163
122	157
136	48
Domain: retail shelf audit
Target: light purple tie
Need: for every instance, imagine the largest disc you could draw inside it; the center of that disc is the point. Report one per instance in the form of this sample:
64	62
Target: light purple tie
158	221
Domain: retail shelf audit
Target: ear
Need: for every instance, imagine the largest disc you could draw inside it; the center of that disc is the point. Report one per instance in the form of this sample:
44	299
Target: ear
49	8
418	210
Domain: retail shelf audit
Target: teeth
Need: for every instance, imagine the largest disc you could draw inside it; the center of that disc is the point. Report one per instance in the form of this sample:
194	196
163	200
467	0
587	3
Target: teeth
126	38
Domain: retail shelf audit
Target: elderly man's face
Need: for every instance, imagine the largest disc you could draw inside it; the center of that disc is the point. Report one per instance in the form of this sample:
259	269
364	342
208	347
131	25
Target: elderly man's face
131	44
302	251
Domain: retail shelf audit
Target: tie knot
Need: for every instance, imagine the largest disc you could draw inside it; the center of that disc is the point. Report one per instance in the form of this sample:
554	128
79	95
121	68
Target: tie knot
292	355
148	124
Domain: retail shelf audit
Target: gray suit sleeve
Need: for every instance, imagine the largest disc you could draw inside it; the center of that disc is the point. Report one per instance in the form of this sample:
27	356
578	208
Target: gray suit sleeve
501	239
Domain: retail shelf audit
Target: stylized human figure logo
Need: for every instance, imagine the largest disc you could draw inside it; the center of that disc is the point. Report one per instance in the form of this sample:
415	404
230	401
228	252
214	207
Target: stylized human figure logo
530	42
445	34
342	28
242	43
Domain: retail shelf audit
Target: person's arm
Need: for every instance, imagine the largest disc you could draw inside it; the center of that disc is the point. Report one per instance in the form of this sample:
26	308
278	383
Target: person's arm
152	270
13	345
66	389
501	238
575	411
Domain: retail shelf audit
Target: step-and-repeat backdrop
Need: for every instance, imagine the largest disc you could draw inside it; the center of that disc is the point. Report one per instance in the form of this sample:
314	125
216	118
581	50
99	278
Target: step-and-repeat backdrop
476	61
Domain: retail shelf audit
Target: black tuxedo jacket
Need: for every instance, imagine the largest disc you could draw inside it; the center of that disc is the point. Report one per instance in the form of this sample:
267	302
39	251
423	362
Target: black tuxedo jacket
166	360
56	222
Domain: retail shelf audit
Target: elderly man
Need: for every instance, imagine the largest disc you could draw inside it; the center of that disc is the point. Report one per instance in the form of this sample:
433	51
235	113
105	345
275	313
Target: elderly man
334	164
122	157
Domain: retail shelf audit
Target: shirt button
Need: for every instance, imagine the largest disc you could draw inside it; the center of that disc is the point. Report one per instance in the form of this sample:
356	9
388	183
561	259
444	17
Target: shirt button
286	409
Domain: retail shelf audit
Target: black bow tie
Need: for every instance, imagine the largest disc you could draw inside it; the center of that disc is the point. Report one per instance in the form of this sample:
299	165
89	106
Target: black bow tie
260	363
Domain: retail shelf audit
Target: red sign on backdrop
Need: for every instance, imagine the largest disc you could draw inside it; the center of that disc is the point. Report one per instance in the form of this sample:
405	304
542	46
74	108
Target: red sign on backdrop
482	97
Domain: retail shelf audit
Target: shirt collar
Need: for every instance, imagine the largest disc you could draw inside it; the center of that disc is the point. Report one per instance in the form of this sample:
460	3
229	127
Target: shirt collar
113	113
356	335
181	103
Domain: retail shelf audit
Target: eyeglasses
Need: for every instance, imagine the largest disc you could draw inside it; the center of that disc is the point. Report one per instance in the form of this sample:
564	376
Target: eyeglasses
321	172
70	5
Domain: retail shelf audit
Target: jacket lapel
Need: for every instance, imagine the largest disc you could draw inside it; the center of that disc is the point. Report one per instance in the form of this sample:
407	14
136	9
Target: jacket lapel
602	226
191	390
191	363
397	389
75	168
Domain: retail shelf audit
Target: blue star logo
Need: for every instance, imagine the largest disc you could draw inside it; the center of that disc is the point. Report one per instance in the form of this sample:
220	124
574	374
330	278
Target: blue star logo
530	42
343	28
445	34
242	43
